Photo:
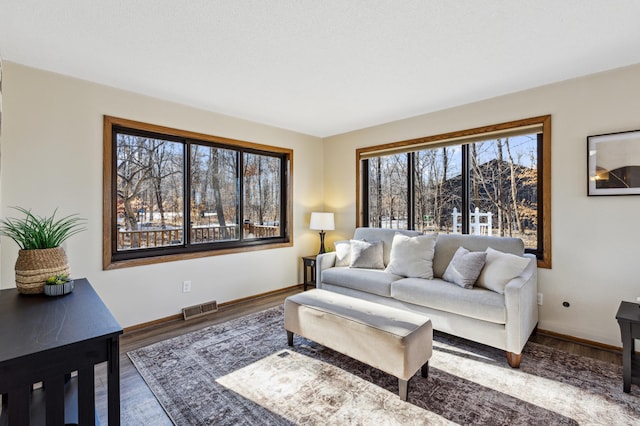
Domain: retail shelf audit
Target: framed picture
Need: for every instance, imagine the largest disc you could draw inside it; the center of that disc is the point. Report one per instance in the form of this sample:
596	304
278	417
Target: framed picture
613	163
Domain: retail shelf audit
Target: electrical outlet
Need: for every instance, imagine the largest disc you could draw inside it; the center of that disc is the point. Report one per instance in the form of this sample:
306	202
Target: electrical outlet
540	299
186	286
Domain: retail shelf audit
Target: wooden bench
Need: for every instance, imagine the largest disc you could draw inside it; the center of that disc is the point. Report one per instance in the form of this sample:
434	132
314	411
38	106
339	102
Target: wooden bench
395	341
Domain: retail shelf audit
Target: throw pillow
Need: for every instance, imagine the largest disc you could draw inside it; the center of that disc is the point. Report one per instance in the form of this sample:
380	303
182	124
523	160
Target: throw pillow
412	256
366	254
465	267
499	269
343	252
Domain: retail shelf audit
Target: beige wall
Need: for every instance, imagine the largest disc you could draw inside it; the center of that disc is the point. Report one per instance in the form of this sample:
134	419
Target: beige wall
52	157
595	239
51	150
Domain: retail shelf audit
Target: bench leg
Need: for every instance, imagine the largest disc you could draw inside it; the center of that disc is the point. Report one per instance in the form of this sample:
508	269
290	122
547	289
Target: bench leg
424	371
290	338
403	389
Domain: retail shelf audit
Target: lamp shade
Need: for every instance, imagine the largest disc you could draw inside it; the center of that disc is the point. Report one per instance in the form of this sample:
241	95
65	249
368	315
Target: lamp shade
322	221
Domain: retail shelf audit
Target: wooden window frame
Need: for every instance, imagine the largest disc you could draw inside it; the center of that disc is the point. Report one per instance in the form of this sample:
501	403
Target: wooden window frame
471	135
190	252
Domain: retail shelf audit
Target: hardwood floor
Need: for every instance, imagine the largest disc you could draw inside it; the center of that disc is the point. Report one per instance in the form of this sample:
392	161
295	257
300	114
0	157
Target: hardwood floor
138	404
606	355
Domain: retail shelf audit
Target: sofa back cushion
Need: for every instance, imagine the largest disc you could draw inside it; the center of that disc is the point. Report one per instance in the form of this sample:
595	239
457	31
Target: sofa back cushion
447	244
501	268
412	256
382	234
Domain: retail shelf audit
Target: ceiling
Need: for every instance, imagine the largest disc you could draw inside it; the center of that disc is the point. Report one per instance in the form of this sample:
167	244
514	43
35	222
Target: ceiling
321	67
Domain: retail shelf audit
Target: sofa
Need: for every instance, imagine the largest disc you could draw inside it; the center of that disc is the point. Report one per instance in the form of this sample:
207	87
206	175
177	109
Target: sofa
480	288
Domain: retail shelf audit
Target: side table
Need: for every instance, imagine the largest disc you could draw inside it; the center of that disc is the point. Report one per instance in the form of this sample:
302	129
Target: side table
43	339
309	265
628	317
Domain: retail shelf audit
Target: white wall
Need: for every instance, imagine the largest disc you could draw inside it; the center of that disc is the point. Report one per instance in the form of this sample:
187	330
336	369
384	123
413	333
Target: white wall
595	251
52	157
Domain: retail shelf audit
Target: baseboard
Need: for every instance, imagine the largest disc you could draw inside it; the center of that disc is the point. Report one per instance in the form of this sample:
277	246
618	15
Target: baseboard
579	340
175	317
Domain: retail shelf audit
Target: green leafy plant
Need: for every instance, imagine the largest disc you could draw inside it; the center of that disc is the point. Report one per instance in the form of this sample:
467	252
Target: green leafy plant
35	232
58	279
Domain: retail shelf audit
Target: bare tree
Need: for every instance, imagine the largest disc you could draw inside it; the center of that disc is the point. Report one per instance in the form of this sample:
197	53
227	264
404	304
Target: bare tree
214	170
160	156
378	187
441	184
133	171
514	188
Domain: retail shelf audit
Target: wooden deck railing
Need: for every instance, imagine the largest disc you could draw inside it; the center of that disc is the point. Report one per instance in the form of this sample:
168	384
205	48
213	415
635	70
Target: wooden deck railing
260	231
149	238
146	238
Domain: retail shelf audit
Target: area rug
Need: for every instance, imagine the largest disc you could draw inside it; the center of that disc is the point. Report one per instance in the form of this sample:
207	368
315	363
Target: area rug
243	373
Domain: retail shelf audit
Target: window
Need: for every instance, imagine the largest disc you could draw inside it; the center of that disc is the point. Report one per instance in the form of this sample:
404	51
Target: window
171	194
492	180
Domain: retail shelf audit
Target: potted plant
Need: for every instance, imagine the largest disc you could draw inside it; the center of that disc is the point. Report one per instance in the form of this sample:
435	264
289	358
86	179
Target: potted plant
39	238
57	285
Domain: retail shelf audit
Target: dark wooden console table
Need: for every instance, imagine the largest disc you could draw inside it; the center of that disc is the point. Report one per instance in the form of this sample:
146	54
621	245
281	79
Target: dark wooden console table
628	317
44	339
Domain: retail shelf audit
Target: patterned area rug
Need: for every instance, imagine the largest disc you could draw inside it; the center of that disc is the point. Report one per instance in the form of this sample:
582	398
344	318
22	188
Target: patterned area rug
243	373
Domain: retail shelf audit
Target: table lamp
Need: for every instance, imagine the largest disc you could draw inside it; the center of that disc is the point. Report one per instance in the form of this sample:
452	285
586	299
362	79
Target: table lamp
323	222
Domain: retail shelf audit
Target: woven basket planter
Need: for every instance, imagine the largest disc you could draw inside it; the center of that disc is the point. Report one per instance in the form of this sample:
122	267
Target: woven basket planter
33	267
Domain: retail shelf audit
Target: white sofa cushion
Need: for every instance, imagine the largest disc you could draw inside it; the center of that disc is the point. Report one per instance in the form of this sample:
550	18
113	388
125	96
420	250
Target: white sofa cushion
438	294
499	269
412	256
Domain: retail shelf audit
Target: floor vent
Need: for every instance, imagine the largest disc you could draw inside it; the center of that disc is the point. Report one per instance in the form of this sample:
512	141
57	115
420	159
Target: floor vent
196	311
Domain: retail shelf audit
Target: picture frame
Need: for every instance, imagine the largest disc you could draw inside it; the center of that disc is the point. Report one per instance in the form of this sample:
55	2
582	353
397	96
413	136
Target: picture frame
613	163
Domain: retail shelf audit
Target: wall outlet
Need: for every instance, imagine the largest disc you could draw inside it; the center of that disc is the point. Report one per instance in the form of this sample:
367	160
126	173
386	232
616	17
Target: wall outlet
540	299
186	286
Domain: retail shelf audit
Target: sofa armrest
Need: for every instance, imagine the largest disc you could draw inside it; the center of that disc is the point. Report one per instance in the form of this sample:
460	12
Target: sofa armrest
324	261
521	301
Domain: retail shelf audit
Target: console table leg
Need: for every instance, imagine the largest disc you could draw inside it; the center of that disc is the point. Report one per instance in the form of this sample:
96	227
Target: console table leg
627	349
18	405
54	397
86	396
113	382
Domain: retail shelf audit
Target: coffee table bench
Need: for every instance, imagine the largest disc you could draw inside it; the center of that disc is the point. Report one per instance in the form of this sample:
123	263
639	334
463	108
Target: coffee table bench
395	341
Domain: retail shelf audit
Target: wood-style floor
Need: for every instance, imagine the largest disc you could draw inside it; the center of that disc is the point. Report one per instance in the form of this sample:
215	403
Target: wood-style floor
138	404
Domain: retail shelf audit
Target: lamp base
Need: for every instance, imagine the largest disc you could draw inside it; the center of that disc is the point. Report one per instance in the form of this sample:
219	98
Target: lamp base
322	250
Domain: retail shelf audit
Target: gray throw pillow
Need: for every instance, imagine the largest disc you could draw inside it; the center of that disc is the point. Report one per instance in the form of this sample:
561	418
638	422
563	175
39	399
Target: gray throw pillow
412	256
500	268
465	267
366	254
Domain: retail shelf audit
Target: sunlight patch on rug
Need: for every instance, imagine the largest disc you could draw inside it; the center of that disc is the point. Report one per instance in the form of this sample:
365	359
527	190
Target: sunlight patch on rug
288	383
571	397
